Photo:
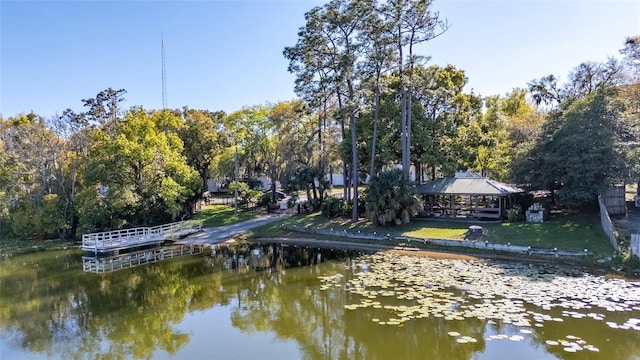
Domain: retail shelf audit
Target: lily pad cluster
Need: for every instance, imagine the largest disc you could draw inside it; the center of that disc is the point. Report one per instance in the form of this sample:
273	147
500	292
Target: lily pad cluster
572	344
413	287
632	323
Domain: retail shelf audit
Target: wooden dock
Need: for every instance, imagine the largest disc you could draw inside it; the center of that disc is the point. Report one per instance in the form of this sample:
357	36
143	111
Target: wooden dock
114	241
99	265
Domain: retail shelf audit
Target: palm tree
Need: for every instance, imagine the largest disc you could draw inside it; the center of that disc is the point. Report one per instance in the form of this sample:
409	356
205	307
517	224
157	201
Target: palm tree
390	199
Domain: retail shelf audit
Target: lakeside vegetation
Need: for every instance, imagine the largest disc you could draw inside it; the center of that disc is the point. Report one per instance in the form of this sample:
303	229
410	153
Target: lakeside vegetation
571	232
211	216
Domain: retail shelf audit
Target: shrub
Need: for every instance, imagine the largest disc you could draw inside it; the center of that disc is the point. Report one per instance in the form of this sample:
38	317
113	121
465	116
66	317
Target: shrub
25	221
514	213
630	261
333	207
266	198
314	205
52	220
245	193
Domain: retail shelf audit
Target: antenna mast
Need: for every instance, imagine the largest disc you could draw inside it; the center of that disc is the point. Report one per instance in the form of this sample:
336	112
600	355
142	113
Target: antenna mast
164	73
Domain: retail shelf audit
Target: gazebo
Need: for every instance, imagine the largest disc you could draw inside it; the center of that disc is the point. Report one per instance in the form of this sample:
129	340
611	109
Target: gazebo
476	198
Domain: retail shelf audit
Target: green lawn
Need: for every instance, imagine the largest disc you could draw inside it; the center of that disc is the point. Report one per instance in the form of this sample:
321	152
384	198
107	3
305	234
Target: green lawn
566	232
219	215
570	232
438	229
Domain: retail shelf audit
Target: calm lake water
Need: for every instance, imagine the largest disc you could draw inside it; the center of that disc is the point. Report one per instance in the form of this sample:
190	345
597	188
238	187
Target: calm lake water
274	302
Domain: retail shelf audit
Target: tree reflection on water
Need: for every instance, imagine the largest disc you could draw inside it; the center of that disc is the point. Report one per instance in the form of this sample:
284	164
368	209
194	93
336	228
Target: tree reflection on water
50	308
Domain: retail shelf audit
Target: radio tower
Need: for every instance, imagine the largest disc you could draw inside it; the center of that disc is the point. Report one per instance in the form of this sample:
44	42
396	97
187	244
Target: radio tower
164	74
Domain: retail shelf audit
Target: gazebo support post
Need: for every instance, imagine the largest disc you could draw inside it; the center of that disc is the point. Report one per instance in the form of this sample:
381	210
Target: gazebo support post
475	208
450	205
431	203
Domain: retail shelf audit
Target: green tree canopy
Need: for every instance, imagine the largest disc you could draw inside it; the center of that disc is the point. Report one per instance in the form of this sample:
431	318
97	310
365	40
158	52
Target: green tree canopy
204	138
138	176
577	156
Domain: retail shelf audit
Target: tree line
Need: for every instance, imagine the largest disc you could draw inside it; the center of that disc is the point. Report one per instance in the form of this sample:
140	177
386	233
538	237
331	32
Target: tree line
368	103
109	167
356	64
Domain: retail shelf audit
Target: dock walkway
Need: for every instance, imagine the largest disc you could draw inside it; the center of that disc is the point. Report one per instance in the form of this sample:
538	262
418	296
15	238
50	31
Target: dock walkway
112	241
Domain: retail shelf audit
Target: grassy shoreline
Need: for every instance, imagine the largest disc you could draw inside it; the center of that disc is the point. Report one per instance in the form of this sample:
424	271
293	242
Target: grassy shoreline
566	232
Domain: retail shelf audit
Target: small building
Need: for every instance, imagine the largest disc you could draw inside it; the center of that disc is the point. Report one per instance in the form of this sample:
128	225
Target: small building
472	198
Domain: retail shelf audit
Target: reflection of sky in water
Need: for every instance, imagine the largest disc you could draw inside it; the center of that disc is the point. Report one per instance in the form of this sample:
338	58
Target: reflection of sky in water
8	348
526	349
212	336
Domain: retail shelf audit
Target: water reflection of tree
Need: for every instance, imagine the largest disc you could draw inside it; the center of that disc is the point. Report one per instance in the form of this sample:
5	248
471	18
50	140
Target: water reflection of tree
297	309
317	320
29	290
50	307
132	313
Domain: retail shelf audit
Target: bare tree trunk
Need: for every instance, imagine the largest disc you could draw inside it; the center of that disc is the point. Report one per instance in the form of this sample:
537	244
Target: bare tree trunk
345	186
403	108
321	165
408	101
403	129
408	141
376	113
354	159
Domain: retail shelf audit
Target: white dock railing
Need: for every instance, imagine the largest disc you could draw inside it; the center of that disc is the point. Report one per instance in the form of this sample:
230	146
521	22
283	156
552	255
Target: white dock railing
127	238
607	224
94	264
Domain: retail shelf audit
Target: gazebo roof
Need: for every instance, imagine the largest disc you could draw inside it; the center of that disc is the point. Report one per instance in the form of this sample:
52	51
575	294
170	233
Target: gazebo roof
467	186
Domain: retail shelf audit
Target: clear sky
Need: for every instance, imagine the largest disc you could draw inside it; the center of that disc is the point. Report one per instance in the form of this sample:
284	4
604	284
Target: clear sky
223	55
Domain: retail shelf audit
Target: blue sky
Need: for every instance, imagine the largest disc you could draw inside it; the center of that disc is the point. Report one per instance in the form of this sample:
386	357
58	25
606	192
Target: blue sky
223	55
